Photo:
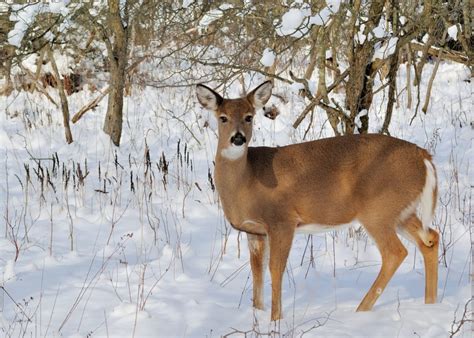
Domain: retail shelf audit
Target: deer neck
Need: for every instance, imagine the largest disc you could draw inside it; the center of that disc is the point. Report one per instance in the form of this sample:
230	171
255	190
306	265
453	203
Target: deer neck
232	178
231	170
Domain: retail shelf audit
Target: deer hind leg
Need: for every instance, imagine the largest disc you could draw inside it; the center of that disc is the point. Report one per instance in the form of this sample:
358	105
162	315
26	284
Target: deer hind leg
280	244
258	247
427	242
393	253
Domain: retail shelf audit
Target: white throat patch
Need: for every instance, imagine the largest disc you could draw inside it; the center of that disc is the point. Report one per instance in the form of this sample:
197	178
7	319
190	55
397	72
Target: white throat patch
233	152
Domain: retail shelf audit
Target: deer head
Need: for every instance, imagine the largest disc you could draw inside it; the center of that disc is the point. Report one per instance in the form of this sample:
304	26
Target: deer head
235	117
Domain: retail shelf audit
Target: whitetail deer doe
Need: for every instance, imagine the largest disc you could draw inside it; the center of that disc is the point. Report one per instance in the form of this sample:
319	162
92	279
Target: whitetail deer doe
273	193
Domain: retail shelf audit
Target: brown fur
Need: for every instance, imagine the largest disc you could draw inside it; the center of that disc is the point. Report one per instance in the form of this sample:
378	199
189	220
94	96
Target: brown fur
372	178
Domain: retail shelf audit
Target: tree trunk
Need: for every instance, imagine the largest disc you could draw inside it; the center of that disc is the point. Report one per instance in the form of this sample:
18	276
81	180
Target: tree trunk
359	85
360	82
392	79
333	119
466	40
62	96
313	53
7	51
117	50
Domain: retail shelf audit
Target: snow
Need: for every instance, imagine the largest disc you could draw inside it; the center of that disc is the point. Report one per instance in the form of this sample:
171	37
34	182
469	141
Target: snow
160	260
93	11
362	113
317	20
268	57
297	21
213	15
333	5
322	18
9	271
58	6
63	61
385	49
187	3
453	32
425	38
296	87
24	15
292	19
379	32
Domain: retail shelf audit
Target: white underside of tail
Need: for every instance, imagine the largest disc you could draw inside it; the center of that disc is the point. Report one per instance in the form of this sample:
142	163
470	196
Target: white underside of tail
423	206
426	198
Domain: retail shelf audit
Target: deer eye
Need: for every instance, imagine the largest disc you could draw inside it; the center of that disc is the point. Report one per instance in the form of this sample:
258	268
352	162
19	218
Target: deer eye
248	118
223	119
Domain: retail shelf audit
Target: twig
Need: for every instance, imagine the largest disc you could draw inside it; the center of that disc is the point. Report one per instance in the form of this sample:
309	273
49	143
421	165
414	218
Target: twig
448	55
466	317
234	274
62	96
239	67
304	82
317	98
52	311
39	87
318	323
90	105
334	111
430	83
171	114
16	304
408	66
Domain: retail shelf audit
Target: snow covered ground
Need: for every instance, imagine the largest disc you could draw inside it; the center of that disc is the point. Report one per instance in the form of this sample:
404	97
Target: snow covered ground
104	241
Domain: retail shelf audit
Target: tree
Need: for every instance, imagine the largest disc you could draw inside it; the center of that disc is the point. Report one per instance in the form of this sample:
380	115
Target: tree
117	53
345	43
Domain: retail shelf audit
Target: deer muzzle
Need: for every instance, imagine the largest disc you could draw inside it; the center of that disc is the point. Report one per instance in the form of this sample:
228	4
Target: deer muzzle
238	139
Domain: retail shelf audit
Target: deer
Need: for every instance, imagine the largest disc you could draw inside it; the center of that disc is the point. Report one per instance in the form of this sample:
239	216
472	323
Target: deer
386	184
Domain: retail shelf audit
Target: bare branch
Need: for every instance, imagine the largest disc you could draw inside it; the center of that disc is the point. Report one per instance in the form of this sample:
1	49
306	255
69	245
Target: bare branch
316	99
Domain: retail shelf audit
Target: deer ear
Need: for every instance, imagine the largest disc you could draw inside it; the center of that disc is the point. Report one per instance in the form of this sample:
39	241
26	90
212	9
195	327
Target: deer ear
260	95
208	98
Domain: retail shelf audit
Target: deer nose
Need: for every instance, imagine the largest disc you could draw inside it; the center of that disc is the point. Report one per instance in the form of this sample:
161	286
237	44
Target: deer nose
238	139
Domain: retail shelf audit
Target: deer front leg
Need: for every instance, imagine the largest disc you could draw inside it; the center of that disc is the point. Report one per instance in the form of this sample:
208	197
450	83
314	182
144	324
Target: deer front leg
280	240
258	247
